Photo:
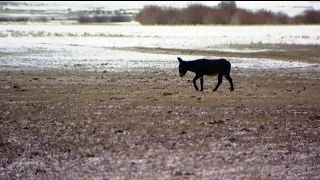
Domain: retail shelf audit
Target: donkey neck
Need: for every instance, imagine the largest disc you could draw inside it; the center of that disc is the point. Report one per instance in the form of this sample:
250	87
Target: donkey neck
194	65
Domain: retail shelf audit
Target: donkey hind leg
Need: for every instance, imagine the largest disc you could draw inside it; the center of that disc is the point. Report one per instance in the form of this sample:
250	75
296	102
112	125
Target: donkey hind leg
228	77
220	75
201	83
195	81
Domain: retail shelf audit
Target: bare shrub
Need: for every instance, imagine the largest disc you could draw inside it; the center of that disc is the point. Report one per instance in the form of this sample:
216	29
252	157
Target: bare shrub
152	15
307	17
103	19
298	19
225	13
161	16
173	16
216	16
228	5
100	19
311	17
229	8
40	19
15	19
264	17
120	18
194	14
242	16
283	18
83	19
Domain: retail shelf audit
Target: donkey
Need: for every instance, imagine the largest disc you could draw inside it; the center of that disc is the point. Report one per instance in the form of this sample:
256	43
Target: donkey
210	67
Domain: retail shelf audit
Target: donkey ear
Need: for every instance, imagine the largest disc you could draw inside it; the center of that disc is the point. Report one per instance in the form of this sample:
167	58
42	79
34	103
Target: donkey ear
180	60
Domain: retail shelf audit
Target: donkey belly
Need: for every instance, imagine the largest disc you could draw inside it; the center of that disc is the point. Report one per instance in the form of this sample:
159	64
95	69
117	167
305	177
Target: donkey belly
212	74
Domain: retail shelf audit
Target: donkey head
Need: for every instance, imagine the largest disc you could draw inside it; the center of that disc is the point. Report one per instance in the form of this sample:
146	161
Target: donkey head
182	69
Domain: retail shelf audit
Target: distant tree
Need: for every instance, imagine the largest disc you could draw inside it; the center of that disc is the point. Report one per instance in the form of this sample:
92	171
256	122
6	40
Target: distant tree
311	16
194	14
216	16
242	17
264	17
152	15
173	15
83	19
226	12
307	17
229	6
283	18
298	19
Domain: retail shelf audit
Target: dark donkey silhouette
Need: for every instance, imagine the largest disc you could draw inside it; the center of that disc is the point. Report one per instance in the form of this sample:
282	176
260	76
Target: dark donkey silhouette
210	67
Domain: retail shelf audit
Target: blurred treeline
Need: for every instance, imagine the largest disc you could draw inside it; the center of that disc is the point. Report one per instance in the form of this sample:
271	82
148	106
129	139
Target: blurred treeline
226	12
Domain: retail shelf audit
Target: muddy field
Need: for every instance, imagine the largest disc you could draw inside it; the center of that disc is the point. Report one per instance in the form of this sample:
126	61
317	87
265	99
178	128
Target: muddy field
152	124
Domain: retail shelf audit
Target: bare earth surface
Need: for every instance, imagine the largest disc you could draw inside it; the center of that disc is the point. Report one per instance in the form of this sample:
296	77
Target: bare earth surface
152	124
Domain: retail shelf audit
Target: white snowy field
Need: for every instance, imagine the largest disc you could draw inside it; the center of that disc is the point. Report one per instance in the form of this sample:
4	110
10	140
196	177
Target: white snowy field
90	46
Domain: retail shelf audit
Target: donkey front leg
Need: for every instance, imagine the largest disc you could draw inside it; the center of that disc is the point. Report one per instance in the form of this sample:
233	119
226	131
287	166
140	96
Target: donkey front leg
195	81
219	81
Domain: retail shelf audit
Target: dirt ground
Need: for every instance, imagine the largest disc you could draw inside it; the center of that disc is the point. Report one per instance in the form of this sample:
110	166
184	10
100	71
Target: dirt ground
152	124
